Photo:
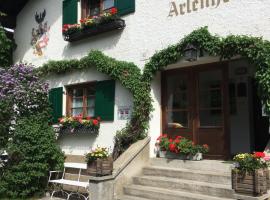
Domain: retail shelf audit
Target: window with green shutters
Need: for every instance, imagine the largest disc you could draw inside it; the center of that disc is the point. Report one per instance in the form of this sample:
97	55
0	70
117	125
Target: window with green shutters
70	8
94	99
104	103
70	11
125	6
56	100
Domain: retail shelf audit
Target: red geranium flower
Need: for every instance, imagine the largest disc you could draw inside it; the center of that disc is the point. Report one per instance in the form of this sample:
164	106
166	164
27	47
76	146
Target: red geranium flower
95	122
172	147
177	141
206	146
88	117
159	137
259	154
98	118
113	10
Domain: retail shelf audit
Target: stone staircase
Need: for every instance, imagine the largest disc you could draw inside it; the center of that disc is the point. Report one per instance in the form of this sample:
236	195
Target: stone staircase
167	179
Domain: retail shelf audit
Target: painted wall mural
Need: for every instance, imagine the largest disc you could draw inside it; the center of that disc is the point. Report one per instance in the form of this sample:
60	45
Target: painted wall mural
40	34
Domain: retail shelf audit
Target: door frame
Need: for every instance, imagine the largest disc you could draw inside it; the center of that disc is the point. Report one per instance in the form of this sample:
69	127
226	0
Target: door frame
193	71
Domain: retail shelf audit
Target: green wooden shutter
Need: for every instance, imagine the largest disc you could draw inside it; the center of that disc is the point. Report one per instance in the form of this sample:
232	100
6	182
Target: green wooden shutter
104	100
125	6
56	100
70	11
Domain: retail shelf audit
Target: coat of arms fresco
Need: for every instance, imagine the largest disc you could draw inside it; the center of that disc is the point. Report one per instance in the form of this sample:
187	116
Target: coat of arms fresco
40	34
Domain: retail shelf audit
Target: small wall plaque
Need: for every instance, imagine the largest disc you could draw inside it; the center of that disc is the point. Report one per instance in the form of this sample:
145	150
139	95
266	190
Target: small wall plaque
124	112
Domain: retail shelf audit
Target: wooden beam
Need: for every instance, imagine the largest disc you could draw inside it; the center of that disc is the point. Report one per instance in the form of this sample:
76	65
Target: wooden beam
8	21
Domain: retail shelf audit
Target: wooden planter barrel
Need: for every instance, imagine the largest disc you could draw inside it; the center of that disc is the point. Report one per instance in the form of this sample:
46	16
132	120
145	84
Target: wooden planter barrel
254	184
100	167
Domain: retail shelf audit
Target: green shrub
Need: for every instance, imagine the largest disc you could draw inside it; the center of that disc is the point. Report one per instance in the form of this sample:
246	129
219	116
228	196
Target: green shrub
5	118
32	153
6	47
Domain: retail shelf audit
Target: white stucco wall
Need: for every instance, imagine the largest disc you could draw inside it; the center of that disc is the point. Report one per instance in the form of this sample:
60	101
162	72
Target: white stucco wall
148	30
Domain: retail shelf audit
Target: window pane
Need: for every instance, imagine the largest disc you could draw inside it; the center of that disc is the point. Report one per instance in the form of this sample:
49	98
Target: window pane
77	111
90	101
77	92
94	7
77	102
91	90
210	98
177	92
210	89
90	112
211	117
108	4
178	119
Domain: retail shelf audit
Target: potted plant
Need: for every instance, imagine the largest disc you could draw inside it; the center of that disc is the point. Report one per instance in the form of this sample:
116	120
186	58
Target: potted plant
79	124
180	148
250	175
99	163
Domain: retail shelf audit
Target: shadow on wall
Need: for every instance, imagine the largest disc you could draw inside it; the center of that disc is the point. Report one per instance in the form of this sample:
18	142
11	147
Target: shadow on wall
77	76
77	144
101	42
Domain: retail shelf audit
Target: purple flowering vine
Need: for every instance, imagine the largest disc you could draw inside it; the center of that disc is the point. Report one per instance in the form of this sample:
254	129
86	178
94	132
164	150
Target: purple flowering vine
20	85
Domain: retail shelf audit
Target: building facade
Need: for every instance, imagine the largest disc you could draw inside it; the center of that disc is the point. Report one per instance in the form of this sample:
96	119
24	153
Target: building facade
206	100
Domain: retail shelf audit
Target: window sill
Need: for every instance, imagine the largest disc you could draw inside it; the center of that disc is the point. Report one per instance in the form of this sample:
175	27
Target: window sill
78	130
117	24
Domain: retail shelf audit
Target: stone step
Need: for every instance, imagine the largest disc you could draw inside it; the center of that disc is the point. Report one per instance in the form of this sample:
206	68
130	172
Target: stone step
127	197
154	193
203	176
203	165
214	189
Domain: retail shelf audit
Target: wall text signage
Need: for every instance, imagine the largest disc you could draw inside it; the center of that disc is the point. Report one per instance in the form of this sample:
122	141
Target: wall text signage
192	5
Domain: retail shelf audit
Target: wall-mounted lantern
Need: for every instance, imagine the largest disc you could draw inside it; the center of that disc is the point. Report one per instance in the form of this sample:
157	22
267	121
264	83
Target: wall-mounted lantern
190	53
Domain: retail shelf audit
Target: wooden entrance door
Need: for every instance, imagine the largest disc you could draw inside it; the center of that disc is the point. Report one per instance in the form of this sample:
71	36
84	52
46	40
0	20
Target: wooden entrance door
194	105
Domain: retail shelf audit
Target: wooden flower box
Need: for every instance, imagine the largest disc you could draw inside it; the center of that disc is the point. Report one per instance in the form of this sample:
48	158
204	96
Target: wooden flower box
79	130
254	184
116	24
100	167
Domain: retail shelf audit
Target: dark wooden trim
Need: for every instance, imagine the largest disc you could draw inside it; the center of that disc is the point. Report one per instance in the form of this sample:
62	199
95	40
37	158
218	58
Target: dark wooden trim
68	102
84	9
8	21
163	100
226	111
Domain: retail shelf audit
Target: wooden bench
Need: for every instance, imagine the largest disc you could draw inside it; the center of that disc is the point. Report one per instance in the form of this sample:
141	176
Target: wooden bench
58	179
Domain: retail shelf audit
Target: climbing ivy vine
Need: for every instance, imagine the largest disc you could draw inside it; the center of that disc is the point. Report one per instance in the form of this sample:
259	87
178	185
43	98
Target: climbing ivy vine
255	49
129	76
